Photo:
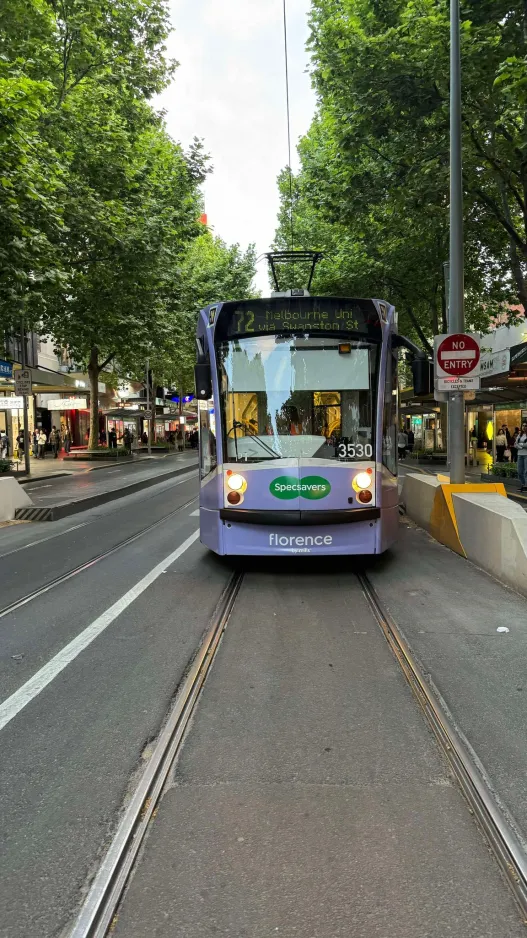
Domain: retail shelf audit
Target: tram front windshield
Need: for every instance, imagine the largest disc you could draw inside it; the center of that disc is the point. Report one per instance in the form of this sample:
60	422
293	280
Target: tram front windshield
305	397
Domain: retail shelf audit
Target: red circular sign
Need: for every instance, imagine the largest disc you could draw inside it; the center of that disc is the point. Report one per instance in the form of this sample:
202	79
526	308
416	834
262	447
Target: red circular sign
458	355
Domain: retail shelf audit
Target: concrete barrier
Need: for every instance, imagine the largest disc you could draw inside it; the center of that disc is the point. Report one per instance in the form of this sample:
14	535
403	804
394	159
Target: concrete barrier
493	531
12	496
477	521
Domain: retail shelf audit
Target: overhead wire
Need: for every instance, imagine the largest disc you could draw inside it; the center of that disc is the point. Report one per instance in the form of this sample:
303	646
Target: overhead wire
288	128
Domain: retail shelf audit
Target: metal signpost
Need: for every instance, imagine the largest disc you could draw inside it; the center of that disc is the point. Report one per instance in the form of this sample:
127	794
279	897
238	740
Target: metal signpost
148	406
24	387
456	315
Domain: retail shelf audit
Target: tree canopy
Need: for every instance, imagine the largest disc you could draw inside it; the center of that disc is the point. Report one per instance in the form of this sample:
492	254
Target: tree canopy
99	207
373	190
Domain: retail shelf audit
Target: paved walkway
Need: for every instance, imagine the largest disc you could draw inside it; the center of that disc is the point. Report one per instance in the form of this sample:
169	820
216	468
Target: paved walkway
49	467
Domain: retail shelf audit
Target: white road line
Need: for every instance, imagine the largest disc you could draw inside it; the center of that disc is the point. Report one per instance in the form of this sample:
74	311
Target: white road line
42	539
35	487
194	514
25	694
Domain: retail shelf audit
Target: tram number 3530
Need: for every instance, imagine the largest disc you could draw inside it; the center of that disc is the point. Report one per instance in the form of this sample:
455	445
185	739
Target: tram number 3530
347	450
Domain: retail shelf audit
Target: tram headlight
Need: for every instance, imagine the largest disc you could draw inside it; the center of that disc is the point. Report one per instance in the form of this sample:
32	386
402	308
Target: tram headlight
236	482
363	480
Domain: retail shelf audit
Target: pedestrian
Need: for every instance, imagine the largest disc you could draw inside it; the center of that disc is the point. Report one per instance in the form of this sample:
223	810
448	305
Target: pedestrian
54	439
34	443
42	440
521	445
501	446
402	443
127	440
144	438
4	445
112	438
411	440
514	448
20	443
67	440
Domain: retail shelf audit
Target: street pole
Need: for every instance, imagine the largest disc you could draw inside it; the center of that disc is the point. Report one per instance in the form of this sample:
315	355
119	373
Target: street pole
456	313
148	406
446	271
27	463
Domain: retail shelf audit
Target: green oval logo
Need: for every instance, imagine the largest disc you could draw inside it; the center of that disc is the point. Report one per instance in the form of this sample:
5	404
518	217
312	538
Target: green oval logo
312	487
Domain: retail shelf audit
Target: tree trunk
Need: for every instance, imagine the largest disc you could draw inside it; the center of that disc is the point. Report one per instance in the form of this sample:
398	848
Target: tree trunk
152	424
93	374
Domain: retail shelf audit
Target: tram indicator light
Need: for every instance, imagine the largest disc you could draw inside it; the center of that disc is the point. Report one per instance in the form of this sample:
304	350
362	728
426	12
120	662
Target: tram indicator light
365	496
345	348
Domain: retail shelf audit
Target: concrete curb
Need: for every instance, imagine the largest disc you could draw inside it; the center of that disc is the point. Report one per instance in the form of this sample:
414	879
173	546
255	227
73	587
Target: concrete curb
54	512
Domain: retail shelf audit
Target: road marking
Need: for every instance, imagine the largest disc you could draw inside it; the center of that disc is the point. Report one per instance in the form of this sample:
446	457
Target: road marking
32	688
42	539
194	514
35	487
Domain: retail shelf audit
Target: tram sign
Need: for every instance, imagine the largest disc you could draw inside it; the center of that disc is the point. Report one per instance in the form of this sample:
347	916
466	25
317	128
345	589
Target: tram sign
457	362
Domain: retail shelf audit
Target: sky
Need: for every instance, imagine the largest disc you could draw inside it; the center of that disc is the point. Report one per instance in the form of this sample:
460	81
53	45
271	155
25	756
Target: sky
229	90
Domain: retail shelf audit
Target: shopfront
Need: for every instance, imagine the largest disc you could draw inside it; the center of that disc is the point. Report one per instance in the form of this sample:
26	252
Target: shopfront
64	413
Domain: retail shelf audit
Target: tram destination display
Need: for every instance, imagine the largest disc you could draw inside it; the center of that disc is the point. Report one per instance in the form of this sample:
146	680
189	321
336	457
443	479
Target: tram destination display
305	314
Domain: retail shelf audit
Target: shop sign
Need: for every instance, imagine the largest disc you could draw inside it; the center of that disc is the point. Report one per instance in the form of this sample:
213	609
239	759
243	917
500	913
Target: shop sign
495	363
11	403
6	369
68	403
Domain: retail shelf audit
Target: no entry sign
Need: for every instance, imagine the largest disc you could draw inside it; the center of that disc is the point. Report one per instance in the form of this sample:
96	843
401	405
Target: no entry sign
457	362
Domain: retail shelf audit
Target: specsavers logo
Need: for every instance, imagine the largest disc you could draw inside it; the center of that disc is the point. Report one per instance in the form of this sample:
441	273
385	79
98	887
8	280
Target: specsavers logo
312	487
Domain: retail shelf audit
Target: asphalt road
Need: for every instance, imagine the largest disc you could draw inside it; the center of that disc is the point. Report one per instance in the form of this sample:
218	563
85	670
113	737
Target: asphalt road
69	755
309	800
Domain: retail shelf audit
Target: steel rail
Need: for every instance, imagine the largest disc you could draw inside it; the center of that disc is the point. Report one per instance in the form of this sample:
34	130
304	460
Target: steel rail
507	844
91	563
99	909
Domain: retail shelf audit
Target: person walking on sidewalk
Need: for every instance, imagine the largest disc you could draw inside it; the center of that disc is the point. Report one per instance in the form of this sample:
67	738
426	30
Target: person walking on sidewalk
67	440
42	440
402	443
34	443
54	439
521	446
514	451
501	446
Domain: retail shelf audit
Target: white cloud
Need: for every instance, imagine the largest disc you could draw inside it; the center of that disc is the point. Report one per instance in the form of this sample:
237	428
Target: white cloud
230	90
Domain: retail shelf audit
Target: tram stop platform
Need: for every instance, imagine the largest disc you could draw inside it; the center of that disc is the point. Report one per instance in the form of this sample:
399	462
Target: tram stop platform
310	798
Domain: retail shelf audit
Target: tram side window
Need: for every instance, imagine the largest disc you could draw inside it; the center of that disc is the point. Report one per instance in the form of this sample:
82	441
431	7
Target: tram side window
207	438
389	430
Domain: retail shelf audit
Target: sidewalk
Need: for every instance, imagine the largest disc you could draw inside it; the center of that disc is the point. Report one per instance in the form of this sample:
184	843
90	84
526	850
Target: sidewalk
56	495
51	467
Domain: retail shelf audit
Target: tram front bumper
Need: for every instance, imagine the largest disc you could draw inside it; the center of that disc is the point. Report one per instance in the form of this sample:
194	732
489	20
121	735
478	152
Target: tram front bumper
229	536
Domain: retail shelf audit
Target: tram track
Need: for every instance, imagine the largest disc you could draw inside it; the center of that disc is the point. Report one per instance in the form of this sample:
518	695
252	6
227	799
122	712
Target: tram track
100	907
64	577
509	848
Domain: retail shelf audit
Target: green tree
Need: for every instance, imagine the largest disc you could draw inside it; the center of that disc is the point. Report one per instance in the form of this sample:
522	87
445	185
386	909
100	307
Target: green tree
210	271
375	161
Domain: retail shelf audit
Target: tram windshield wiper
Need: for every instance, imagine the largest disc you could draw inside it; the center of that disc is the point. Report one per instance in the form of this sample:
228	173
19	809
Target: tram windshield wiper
236	425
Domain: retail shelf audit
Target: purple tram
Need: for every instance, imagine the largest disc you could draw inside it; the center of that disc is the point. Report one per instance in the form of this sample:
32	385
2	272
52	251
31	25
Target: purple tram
297	400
